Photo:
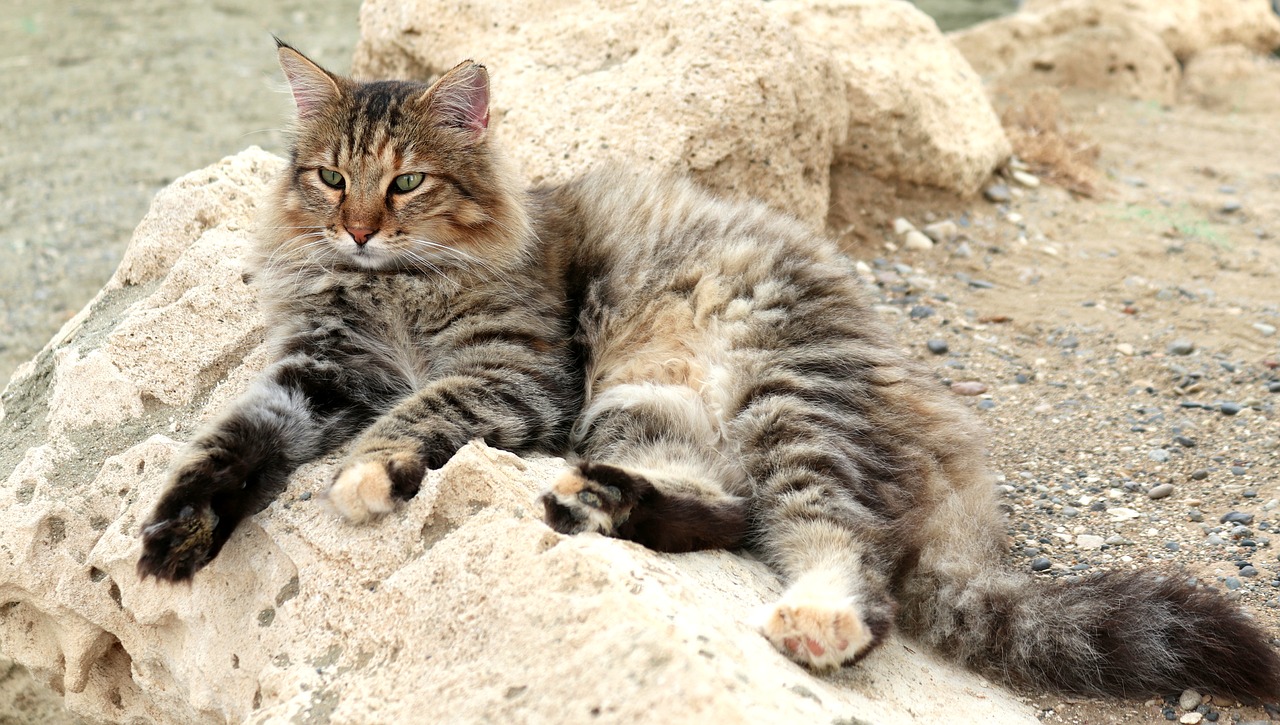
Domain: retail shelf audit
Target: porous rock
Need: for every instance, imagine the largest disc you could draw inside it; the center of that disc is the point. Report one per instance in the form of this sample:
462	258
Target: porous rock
461	605
752	99
1231	78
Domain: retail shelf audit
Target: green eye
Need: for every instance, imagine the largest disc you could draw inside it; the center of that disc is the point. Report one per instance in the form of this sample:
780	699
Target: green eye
332	178
407	182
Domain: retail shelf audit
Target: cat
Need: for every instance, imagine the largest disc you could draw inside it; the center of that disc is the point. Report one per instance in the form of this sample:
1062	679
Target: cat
711	369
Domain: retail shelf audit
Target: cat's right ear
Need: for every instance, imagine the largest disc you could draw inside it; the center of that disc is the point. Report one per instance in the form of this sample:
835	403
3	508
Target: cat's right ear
313	87
460	99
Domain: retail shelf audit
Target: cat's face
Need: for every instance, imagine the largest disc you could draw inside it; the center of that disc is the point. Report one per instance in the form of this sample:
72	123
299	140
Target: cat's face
391	175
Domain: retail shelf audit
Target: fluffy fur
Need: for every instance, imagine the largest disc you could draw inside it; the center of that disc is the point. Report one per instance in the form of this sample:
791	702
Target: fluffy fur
711	368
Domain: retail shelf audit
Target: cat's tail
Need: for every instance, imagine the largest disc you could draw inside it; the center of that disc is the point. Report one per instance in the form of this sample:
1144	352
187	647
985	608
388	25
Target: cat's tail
1120	634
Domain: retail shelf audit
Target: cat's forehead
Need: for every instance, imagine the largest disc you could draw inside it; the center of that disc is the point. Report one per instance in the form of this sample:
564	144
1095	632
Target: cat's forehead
381	123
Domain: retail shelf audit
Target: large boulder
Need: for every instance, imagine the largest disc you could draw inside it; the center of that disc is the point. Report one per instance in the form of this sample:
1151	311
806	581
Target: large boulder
1131	47
462	606
753	99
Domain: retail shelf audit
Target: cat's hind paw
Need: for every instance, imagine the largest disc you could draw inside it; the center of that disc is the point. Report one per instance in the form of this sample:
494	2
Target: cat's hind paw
817	630
369	486
175	547
591	497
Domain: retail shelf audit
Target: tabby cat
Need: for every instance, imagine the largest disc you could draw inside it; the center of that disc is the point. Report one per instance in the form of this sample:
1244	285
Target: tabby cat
711	369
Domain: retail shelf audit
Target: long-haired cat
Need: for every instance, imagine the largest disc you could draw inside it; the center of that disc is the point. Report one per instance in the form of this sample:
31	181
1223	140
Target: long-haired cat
711	369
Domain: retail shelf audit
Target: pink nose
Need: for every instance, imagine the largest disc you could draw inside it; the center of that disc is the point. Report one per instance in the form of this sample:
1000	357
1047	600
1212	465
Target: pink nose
361	234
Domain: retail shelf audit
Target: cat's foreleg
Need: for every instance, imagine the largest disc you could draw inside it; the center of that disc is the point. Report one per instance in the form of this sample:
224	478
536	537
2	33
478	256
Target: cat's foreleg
516	403
236	465
651	472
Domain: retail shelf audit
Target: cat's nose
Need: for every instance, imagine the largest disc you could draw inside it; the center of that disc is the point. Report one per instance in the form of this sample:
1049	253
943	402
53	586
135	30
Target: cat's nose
361	234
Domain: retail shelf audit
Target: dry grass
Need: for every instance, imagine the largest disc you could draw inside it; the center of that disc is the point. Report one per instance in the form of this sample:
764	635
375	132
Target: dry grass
1040	131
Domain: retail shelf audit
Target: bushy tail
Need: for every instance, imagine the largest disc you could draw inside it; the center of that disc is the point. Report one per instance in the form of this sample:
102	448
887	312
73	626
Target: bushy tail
1119	634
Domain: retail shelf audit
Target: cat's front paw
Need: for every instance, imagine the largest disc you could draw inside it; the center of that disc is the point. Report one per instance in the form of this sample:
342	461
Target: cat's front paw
591	497
176	545
368	485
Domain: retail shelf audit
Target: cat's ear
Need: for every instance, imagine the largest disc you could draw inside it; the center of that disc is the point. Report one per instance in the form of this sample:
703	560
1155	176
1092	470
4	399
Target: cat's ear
313	87
460	99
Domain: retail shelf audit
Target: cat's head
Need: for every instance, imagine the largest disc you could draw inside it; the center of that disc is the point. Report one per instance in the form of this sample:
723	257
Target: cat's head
393	175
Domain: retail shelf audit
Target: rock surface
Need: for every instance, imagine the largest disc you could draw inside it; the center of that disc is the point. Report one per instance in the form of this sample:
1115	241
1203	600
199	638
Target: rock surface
1132	48
750	98
462	603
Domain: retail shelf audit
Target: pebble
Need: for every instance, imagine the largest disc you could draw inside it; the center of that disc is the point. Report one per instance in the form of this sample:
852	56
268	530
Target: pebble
1230	408
969	387
902	226
1089	541
919	312
937	346
1248	570
1159	455
1191	718
1231	207
1116	540
1231	582
1265	329
1181	347
1236	517
1195	515
963	250
1030	181
998	193
1164	490
1184	441
988	404
917	241
1273	386
942	232
1199	474
1172	545
1125	349
1189	700
306	496
1040	564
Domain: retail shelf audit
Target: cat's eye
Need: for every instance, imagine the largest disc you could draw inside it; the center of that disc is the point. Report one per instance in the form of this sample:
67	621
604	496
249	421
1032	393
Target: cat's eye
407	182
332	178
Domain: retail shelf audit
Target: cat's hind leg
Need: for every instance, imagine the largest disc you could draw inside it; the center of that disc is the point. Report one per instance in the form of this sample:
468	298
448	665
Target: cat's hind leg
651	471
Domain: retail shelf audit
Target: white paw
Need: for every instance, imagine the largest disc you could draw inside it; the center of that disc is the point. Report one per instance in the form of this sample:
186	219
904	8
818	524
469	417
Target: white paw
820	629
361	492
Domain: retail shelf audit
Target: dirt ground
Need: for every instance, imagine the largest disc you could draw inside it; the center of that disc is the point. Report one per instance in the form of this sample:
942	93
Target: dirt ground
1065	308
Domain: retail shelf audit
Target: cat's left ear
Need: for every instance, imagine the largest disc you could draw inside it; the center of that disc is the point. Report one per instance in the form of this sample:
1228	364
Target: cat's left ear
313	87
460	99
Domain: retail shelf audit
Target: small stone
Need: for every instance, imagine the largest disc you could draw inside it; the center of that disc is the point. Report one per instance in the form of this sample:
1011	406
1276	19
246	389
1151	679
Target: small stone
1089	542
1265	329
1231	207
1273	386
1068	511
306	496
1184	441
1236	517
937	346
1248	570
919	312
988	404
1040	564
997	193
963	250
969	387
1014	218
942	232
1125	349
1199	474
1230	408
1164	490
917	241
1231	582
1159	455
1191	718
1116	540
1240	471
1189	700
1195	515
1181	347
902	226
1030	181
1172	545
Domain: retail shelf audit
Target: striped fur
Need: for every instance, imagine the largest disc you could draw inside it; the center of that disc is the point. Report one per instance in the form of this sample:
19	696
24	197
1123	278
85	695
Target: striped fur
711	368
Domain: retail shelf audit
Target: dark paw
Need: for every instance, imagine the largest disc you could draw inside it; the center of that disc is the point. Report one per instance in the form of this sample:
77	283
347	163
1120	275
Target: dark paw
592	497
175	547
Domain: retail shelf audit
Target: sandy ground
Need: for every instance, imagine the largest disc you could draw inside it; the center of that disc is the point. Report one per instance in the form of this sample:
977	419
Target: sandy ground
1065	308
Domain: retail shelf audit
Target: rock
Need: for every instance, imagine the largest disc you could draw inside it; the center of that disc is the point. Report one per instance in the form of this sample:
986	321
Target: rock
461	602
1265	329
1230	408
751	99
1181	347
1231	78
902	226
1189	700
1159	455
1231	207
1030	181
942	232
1163	490
1089	542
1191	718
1040	564
997	194
917	112
917	241
937	346
969	387
1125	349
